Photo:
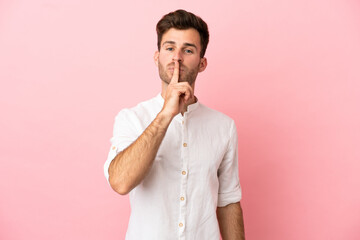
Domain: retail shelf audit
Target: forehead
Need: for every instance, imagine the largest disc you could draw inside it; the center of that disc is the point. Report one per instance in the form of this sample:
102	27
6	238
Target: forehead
180	37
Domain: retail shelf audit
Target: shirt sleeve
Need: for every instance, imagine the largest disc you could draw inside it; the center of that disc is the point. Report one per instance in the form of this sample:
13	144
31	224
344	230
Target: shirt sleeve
124	134
228	173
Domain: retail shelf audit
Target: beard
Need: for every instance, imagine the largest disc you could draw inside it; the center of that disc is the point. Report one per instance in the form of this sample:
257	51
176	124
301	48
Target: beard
185	75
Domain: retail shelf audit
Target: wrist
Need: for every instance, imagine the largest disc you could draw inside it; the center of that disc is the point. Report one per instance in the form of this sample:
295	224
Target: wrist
164	119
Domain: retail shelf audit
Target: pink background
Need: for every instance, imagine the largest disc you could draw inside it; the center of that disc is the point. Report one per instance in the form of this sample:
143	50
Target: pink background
288	72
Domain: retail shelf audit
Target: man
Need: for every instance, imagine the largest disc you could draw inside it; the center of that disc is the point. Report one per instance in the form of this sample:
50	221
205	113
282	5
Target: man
176	157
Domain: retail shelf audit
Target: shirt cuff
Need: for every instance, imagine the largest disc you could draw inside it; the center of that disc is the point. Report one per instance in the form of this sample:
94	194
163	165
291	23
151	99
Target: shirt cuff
229	197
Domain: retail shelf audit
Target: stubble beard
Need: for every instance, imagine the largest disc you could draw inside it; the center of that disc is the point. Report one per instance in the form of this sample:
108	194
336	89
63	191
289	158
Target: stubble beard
188	75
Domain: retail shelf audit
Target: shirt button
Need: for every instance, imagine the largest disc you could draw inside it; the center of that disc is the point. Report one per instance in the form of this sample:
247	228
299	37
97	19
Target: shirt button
182	198
185	145
180	224
183	172
113	148
182	122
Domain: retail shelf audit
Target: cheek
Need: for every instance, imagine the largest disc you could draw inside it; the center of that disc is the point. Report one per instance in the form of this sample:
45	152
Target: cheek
162	60
164	57
195	63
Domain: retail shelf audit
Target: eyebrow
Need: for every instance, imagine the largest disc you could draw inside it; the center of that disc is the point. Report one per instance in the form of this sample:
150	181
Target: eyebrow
190	45
186	44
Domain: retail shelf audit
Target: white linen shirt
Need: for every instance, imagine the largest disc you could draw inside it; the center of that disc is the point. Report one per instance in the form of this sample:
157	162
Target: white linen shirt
194	172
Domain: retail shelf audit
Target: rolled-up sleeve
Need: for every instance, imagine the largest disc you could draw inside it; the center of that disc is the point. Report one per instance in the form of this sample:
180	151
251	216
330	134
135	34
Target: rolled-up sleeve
228	173
123	135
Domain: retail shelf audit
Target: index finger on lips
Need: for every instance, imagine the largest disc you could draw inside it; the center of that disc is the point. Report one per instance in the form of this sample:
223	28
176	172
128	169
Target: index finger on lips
175	77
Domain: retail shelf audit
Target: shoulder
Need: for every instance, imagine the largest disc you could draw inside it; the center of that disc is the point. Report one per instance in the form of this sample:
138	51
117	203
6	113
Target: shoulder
214	114
143	111
215	119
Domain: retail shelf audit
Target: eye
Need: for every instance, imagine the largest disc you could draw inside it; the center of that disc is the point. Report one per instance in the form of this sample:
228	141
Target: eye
169	49
188	51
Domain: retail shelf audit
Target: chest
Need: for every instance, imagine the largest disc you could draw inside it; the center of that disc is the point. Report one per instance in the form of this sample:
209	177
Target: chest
199	147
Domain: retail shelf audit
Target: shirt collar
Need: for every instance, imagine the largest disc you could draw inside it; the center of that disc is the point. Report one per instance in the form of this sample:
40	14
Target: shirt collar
190	108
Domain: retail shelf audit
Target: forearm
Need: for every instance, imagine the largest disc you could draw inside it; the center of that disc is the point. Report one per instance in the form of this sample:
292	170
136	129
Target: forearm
231	222
131	165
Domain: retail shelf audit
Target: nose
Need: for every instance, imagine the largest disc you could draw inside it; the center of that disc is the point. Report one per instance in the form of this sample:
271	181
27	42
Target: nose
177	56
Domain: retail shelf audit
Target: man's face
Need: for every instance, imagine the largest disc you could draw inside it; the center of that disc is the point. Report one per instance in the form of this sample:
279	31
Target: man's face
183	46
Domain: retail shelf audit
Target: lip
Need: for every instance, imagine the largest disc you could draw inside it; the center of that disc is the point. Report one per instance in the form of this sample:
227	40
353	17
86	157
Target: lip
172	69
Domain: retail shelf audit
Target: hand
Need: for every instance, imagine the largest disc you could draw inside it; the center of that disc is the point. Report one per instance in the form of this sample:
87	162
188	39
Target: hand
178	95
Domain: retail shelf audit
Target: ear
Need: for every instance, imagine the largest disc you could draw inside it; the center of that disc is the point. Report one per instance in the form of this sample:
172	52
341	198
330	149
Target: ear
156	58
203	64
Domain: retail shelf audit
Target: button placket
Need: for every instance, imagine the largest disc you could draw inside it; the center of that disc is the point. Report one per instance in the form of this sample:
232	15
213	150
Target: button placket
184	176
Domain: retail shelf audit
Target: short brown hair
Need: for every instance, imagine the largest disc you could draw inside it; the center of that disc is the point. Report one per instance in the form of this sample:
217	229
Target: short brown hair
181	19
